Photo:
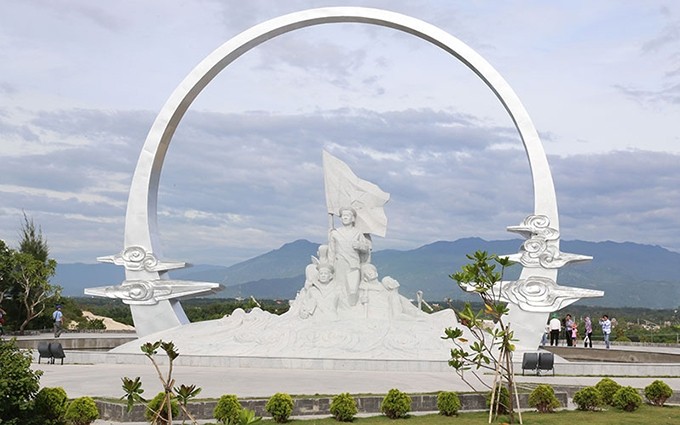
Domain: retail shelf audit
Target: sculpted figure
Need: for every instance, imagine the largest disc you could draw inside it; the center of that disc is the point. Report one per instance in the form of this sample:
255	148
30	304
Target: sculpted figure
312	270
381	300
320	299
348	249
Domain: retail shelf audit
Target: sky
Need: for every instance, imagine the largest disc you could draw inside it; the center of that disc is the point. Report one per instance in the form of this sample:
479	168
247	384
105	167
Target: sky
82	84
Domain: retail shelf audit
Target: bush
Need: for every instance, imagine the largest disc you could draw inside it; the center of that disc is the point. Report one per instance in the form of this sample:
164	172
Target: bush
607	387
343	407
588	398
227	409
50	405
658	392
448	403
18	383
503	400
280	406
543	399
247	417
82	411
627	398
396	404
155	405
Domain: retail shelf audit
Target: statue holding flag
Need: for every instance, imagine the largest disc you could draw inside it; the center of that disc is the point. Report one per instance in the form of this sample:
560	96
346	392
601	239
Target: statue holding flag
349	249
360	206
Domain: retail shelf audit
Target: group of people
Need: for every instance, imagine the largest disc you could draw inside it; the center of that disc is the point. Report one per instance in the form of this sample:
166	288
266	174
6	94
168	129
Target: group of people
568	327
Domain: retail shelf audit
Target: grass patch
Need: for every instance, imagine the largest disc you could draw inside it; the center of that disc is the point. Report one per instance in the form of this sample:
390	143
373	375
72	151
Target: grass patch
668	415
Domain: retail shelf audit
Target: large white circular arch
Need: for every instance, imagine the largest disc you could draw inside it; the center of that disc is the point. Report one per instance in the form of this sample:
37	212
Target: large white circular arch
141	231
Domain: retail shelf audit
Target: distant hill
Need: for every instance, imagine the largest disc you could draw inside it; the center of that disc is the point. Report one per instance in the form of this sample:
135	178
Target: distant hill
630	274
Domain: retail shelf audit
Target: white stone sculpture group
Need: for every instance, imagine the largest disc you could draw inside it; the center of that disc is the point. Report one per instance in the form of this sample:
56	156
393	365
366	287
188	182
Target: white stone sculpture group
342	282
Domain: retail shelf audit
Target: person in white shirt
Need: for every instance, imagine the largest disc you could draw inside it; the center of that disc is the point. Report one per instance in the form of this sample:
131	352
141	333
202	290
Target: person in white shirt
606	329
58	317
555	326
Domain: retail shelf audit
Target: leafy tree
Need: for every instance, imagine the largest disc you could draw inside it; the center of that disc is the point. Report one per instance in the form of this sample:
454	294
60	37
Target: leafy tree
18	383
6	266
25	275
493	345
32	241
34	290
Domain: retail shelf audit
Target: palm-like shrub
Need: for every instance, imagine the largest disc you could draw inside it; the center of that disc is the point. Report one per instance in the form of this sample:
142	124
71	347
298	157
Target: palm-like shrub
448	403
50	405
543	399
280	406
607	387
627	398
228	409
81	411
343	407
396	404
588	398
658	392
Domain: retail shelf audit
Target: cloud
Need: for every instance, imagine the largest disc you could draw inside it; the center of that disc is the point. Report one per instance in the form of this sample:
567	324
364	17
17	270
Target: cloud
237	185
82	86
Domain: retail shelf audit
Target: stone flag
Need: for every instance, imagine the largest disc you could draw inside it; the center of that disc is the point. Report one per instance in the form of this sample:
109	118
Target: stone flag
345	189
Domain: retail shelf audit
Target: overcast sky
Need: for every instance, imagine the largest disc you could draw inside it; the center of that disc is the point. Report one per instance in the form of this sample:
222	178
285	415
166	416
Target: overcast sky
81	83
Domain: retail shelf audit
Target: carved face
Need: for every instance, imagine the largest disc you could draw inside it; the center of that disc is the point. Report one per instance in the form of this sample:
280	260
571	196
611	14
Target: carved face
347	217
369	273
325	275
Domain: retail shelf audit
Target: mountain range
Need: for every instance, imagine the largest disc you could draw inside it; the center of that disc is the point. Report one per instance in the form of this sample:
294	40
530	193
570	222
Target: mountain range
631	274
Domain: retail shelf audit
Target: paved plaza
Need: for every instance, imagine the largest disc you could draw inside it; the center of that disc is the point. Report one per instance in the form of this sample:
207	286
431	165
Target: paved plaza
104	379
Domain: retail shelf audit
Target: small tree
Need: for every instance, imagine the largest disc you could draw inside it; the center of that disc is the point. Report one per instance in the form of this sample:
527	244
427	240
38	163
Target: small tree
607	388
82	411
34	290
228	409
280	406
50	405
18	383
396	404
31	273
6	268
543	399
627	398
588	398
448	403
133	388
493	339
658	392
343	407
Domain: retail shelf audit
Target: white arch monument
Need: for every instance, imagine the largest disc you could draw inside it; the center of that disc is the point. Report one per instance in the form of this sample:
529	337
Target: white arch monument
154	298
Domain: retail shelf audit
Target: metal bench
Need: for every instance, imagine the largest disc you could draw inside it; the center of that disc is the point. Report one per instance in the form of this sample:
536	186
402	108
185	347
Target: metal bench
57	351
546	361
530	362
44	352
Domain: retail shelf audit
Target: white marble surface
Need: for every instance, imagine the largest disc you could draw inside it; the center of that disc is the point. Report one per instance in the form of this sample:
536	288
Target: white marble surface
261	334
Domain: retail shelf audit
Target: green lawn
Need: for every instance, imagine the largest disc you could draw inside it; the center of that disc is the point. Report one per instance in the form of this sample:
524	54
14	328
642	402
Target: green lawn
669	415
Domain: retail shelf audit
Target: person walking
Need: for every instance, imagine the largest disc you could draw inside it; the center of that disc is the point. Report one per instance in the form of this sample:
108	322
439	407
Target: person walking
555	325
58	317
569	324
606	329
588	339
